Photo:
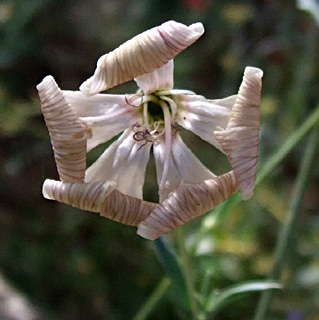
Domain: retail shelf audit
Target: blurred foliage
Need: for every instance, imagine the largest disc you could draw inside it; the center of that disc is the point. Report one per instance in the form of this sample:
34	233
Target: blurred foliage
75	265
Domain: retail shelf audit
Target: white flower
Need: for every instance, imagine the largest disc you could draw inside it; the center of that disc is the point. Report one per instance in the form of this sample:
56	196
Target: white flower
113	185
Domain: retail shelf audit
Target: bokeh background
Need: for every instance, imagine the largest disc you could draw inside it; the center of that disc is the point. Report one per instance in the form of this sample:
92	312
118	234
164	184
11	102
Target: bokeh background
76	265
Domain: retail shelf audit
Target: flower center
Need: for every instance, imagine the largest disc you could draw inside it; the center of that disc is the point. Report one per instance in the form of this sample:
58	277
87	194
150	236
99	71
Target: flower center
157	115
158	118
155	111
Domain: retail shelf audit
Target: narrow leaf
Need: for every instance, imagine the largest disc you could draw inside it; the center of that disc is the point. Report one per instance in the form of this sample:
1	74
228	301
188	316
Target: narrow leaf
153	300
221	299
174	270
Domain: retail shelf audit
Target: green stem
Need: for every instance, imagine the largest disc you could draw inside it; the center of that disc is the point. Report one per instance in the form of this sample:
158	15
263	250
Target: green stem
174	270
288	227
187	270
155	297
290	143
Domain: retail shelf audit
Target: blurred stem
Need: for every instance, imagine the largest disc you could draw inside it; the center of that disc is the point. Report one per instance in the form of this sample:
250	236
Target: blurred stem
187	270
155	297
290	143
174	270
205	284
288	227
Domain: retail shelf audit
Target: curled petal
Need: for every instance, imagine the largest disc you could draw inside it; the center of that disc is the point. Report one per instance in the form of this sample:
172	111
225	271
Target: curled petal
203	116
142	54
183	165
67	132
100	197
106	114
187	202
159	79
125	162
240	139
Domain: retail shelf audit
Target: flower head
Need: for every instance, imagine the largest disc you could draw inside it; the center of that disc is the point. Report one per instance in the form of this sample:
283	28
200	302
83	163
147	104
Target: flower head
113	185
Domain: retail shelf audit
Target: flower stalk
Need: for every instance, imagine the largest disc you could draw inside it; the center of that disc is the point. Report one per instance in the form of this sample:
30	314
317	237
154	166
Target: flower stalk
188	272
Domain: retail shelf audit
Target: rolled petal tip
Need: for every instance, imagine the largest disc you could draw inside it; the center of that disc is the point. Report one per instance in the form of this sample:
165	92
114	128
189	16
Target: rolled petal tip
71	193
48	187
198	28
253	71
142	54
187	202
67	132
100	197
240	139
47	81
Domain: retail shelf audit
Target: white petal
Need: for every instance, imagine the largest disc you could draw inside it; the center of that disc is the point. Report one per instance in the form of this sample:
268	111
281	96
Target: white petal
202	117
124	162
101	197
187	202
177	92
103	134
106	114
240	139
142	54
68	134
159	79
183	165
97	105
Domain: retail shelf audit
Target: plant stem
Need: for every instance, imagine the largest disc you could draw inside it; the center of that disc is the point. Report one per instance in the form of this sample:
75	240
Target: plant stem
288	227
187	270
290	143
174	270
150	304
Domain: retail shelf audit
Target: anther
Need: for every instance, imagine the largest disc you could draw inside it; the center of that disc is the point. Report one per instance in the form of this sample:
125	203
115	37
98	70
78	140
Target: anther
143	136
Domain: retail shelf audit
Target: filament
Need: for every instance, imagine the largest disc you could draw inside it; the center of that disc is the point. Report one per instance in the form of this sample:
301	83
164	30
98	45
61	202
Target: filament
130	99
172	104
145	116
168	143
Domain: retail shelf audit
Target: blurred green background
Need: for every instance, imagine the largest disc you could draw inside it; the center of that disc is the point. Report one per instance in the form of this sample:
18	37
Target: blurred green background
76	265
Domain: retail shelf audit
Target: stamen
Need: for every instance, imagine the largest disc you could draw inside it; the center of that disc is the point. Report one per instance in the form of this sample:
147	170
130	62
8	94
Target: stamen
156	132
129	99
143	136
136	126
145	116
168	143
139	136
156	125
172	104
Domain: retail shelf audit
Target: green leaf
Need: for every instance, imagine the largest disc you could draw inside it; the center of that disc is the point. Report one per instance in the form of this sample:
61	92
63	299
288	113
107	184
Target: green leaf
175	272
221	299
149	306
